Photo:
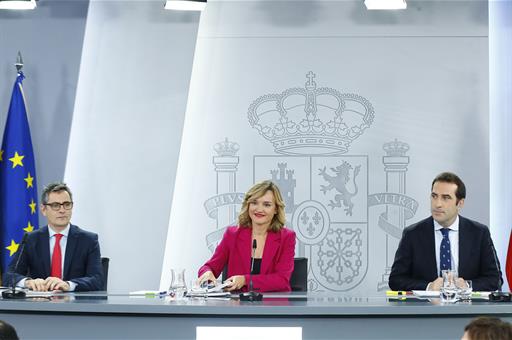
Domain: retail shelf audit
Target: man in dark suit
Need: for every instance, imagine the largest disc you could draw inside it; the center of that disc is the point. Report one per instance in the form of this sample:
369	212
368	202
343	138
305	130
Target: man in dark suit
445	241
60	256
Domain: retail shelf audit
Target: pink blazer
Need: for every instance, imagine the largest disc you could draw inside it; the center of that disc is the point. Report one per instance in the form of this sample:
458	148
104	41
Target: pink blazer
235	250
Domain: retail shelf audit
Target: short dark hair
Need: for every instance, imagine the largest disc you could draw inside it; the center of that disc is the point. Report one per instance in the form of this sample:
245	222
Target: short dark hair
487	328
7	331
450	177
55	187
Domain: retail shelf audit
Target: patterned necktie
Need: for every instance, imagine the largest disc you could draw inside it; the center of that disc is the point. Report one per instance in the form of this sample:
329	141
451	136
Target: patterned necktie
57	258
445	254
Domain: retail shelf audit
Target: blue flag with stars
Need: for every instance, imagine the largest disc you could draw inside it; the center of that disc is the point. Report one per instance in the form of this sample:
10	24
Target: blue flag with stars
18	188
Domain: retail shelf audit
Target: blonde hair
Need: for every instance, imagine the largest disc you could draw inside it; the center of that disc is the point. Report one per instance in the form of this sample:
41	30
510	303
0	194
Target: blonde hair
258	190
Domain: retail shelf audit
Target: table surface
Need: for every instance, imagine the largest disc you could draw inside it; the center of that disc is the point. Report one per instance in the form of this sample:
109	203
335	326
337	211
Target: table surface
288	304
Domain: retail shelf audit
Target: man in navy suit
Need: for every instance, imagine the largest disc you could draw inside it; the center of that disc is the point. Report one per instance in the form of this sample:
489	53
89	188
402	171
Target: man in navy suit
470	252
60	256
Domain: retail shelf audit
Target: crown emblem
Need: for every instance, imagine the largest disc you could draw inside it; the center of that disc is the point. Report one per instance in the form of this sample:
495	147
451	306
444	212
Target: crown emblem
311	120
396	148
226	148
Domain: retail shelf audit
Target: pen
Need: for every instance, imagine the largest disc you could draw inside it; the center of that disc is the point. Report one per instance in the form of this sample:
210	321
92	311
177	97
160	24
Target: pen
153	294
396	293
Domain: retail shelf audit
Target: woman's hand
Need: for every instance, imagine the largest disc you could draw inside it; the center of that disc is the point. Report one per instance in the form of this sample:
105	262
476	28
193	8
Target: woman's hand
237	282
207	277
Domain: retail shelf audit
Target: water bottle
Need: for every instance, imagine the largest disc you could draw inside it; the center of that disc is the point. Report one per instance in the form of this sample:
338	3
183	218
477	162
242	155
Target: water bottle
178	288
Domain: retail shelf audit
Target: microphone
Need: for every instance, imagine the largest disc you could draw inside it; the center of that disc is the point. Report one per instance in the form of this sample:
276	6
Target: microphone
498	267
254	246
13	293
251	295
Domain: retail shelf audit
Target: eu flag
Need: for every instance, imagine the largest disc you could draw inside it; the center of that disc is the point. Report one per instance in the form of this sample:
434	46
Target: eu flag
18	188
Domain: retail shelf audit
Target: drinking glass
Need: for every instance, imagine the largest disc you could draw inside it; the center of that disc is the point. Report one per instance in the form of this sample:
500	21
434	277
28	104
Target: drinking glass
465	290
449	289
178	287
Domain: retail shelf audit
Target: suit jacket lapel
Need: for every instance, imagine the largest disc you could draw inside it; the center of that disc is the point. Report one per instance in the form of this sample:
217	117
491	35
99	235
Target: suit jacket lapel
269	252
244	248
70	249
464	246
430	249
43	243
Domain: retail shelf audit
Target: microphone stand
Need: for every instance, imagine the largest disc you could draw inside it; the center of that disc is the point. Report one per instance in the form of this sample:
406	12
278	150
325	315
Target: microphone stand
251	295
13	293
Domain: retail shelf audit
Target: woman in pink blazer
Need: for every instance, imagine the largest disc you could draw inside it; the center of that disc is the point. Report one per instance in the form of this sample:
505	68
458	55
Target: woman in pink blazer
262	219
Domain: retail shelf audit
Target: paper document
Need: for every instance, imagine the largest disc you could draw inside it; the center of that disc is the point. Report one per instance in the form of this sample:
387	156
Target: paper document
426	293
209	294
433	293
219	288
31	293
211	290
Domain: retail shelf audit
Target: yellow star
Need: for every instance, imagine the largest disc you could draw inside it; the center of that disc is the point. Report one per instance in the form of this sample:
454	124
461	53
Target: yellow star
29	228
1	155
32	206
29	179
13	247
16	160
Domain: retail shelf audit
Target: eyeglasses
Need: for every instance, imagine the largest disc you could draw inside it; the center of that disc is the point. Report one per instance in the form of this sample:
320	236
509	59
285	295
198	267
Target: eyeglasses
56	206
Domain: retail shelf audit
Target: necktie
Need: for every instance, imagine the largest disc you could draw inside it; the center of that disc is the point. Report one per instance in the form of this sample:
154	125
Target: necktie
445	254
57	258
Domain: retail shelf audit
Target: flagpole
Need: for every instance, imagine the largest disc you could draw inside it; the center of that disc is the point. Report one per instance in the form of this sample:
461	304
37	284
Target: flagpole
19	62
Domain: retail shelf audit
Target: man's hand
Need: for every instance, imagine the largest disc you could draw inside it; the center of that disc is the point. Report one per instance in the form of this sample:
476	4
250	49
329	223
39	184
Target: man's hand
436	284
54	283
460	283
37	285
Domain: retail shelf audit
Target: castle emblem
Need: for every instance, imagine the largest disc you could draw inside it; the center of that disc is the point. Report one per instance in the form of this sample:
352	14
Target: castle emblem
286	183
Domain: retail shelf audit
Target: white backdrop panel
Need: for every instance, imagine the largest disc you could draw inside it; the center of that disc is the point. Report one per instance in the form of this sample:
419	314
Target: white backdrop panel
428	93
125	135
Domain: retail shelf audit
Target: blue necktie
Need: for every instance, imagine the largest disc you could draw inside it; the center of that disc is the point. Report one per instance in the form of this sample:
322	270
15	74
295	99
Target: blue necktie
445	255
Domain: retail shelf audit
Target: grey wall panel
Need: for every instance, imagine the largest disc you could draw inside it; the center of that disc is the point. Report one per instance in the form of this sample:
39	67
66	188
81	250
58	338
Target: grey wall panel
50	39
